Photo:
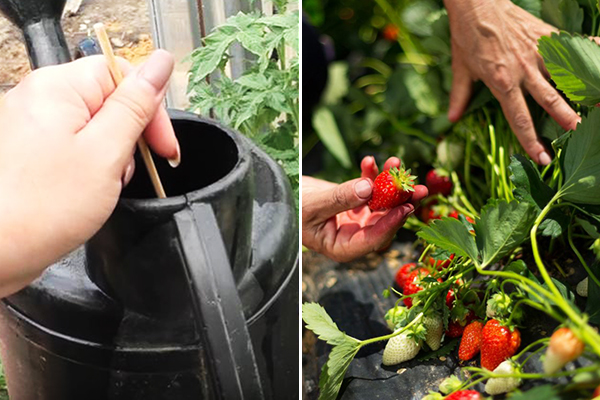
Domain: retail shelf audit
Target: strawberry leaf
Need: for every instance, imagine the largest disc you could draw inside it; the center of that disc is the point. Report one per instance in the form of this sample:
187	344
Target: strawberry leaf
334	370
318	321
574	65
442	351
581	161
544	392
502	227
451	235
530	188
563	14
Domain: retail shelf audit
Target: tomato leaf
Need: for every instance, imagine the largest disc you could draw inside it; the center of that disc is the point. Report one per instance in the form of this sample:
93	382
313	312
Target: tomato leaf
574	65
501	228
581	162
450	234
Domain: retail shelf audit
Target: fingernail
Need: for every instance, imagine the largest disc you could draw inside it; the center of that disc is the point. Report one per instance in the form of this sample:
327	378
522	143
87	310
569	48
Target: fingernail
128	174
157	69
544	158
175	161
363	189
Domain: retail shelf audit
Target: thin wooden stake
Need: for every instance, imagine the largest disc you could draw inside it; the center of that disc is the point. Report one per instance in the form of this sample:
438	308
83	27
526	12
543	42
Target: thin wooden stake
117	75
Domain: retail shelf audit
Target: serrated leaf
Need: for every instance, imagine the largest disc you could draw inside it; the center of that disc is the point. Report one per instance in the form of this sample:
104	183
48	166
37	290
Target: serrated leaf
581	162
563	14
501	228
327	130
334	370
424	90
530	188
318	321
574	65
451	235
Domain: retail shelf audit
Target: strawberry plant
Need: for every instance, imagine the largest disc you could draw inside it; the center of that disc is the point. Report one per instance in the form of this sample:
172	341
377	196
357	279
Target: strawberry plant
262	102
508	223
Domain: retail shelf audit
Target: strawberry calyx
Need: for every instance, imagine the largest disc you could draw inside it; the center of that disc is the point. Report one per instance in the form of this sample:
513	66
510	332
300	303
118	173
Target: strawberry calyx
402	179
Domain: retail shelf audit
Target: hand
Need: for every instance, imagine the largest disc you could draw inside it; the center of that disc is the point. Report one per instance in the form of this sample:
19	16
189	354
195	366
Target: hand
66	144
337	222
496	42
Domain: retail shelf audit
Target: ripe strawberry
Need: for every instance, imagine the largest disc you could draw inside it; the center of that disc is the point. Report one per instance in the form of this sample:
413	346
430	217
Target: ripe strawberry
465	395
441	264
496	386
564	347
456	328
470	344
412	284
390	32
403	273
498	344
437	181
596	393
400	348
392	188
453	214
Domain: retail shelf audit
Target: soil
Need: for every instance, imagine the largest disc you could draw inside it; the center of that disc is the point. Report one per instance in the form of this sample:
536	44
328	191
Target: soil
127	23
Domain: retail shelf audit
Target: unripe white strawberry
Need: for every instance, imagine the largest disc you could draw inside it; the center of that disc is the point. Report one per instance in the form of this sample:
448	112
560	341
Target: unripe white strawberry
564	347
582	288
435	329
503	385
400	348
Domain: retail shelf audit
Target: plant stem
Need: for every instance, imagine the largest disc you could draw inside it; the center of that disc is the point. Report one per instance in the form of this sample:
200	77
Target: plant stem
580	257
391	335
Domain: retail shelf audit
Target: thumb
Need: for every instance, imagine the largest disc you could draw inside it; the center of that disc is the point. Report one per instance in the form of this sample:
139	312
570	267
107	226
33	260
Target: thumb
462	86
129	109
343	197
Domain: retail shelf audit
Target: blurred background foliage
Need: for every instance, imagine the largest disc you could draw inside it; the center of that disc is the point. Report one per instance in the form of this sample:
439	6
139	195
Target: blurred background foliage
389	82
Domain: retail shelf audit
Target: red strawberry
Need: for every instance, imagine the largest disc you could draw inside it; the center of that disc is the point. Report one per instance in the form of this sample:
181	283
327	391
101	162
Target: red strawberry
465	395
390	32
437	181
453	214
450	299
456	328
441	264
403	274
392	188
428	213
412	284
470	344
596	393
498	344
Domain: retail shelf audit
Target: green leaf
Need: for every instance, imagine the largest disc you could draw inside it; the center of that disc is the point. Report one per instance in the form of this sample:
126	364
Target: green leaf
337	83
544	392
581	161
424	90
327	130
451	235
318	321
574	65
588	227
501	228
530	188
593	299
415	17
442	351
334	370
534	7
563	14
520	268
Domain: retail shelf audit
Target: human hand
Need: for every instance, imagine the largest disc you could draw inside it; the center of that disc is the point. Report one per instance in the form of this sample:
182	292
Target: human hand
337	222
496	42
66	146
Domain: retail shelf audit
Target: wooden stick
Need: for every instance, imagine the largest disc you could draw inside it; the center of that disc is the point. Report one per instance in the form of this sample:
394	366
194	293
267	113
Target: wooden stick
117	75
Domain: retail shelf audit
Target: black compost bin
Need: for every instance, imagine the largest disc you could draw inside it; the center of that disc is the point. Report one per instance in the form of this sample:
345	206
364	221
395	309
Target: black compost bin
190	297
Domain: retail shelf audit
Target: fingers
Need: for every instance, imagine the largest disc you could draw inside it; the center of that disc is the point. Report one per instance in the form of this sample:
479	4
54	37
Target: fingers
322	205
391	163
130	108
161	137
419	194
368	168
355	242
462	88
518	116
552	102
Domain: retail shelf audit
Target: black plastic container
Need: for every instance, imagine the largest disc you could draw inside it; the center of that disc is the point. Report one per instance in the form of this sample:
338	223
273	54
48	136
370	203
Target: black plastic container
190	297
40	22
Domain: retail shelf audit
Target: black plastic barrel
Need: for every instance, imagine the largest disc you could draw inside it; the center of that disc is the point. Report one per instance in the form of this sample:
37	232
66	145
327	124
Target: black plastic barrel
190	297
